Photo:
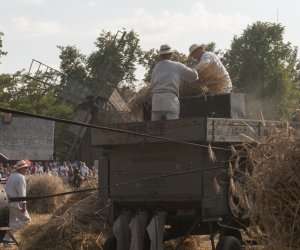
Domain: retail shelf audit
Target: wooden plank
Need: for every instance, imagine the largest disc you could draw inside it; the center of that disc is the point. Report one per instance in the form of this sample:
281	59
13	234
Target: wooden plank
182	129
189	129
129	163
232	130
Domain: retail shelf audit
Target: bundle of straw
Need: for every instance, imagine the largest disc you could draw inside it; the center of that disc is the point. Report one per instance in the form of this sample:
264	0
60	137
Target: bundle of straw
45	185
274	186
138	102
211	81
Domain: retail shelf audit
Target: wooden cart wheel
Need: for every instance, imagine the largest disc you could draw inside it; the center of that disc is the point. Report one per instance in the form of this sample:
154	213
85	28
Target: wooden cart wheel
229	243
110	243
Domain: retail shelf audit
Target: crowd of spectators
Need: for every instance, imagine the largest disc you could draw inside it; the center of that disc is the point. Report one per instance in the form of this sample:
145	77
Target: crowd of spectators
72	173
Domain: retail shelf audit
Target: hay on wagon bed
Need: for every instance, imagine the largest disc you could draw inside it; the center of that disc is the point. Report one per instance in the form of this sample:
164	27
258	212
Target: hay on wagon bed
140	102
45	185
274	186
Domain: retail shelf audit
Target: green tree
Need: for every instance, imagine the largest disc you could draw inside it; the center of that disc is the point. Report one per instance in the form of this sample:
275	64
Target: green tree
260	63
19	92
73	64
8	90
114	60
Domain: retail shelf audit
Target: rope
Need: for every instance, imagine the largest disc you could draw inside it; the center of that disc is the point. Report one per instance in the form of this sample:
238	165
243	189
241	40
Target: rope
32	198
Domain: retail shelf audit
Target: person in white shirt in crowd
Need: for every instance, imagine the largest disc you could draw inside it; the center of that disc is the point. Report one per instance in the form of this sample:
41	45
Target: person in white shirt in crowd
65	177
40	168
83	169
205	58
16	187
63	168
166	78
53	170
93	173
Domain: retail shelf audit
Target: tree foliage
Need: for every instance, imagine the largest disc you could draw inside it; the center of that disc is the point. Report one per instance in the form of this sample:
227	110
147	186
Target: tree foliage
260	63
113	61
73	64
19	92
116	54
8	90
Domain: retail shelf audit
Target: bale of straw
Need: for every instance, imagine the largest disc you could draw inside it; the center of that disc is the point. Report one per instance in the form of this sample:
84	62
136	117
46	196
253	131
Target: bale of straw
45	185
78	224
274	186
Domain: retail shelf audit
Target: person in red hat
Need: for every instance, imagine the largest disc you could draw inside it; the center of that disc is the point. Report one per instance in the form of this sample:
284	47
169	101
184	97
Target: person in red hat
16	187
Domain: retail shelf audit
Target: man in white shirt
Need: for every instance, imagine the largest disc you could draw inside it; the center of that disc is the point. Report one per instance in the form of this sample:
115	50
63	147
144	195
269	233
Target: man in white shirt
205	58
167	76
16	187
63	168
84	169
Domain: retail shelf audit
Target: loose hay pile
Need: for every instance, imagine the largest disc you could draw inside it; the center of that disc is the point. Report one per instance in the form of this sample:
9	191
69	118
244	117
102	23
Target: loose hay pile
77	225
45	185
140	101
274	186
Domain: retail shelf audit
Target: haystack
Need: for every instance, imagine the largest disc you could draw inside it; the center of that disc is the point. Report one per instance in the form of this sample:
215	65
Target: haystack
45	185
78	224
274	186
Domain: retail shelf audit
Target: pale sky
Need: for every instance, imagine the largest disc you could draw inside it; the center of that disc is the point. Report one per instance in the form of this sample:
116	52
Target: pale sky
33	28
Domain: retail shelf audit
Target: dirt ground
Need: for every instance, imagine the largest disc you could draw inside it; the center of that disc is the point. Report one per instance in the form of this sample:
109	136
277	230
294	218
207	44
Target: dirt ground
202	242
192	243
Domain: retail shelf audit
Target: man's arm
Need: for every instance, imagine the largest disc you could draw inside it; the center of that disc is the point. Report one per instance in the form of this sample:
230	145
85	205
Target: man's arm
188	74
